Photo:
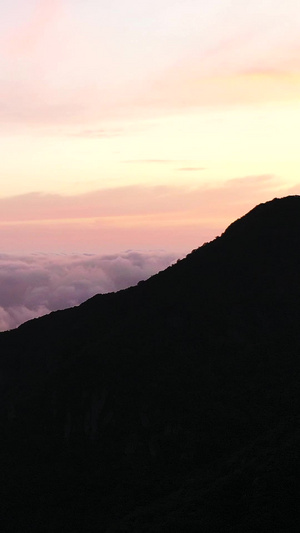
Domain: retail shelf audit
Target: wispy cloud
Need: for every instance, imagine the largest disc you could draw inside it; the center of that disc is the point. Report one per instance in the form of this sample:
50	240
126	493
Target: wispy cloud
172	218
170	162
150	161
79	63
190	169
135	200
97	133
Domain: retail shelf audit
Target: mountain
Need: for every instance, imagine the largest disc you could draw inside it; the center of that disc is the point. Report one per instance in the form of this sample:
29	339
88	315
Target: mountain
171	406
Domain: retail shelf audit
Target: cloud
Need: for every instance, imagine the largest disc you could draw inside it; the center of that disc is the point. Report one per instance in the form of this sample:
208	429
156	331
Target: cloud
150	161
190	169
177	219
98	133
164	162
250	181
33	285
135	201
174	218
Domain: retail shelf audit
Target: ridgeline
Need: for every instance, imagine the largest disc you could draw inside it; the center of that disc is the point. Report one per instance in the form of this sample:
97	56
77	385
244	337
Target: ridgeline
171	406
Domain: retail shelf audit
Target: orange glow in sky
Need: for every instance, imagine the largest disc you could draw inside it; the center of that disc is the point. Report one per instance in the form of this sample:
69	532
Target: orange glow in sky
127	124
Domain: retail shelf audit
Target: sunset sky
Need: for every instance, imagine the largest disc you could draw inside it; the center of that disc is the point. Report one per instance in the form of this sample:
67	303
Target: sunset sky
143	125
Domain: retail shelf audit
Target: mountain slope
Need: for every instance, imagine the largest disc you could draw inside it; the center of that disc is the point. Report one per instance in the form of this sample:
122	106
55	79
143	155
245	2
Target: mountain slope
148	409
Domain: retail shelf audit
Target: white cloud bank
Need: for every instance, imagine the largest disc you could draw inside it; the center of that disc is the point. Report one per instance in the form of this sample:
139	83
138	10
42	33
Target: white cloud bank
36	284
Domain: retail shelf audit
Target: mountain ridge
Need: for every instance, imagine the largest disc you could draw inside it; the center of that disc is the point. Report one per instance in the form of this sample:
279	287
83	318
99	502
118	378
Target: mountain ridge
116	405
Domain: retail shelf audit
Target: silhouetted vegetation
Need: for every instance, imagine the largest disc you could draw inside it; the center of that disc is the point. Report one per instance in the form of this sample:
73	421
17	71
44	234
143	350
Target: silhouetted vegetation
171	406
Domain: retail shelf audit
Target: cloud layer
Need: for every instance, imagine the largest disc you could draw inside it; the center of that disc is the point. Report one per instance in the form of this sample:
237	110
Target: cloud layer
34	285
176	219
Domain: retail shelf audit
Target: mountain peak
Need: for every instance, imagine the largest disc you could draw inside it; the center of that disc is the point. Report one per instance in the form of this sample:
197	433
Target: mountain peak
280	216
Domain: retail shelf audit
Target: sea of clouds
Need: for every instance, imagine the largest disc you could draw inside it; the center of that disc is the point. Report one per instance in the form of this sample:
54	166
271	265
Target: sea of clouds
36	284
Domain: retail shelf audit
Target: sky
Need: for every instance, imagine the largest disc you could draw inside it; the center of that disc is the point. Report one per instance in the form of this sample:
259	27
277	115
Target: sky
141	127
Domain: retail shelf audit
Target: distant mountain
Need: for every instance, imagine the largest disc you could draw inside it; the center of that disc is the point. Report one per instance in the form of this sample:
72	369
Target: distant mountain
171	406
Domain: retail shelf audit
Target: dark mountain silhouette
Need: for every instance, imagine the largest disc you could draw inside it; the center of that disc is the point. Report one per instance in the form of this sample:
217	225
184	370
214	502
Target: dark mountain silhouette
171	406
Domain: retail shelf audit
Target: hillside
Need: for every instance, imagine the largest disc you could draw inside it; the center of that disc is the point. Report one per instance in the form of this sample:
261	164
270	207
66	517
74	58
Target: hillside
169	406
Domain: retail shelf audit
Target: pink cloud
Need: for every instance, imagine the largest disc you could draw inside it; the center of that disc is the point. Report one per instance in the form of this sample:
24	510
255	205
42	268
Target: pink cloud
134	200
138	217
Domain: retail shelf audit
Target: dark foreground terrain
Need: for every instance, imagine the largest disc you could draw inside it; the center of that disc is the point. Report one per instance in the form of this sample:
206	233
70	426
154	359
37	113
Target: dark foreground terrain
172	406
